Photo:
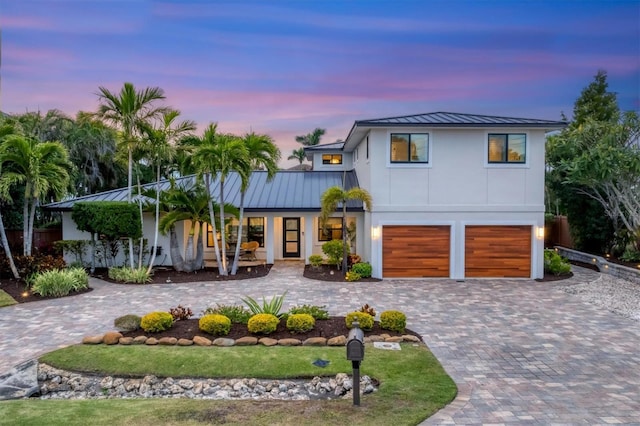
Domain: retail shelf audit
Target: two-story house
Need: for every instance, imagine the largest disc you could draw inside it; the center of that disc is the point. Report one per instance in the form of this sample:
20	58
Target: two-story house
454	195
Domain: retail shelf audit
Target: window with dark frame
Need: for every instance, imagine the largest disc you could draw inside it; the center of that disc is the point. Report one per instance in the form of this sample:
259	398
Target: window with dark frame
252	230
507	148
331	158
409	147
332	229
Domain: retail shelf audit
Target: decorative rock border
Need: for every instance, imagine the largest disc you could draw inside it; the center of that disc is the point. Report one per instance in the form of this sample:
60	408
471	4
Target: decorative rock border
114	337
60	384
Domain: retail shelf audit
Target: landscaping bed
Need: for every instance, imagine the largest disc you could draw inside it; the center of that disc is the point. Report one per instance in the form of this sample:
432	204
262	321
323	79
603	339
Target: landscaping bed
332	327
330	273
167	275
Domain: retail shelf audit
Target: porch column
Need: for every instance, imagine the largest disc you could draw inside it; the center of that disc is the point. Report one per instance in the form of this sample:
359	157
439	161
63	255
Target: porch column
308	237
269	243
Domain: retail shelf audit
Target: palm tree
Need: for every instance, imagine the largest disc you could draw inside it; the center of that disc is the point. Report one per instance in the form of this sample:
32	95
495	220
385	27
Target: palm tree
297	154
311	139
42	167
5	130
330	200
220	154
160	146
262	153
128	110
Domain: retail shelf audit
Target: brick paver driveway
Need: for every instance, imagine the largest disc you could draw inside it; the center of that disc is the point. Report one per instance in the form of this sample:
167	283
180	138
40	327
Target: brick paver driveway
519	351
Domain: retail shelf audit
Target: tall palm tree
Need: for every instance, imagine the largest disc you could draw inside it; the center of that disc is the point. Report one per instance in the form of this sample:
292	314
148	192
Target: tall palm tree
263	153
161	149
311	139
220	154
128	110
5	130
329	202
297	154
42	167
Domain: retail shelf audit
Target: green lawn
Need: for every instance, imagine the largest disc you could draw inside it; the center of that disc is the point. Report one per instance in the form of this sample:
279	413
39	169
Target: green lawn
413	386
6	300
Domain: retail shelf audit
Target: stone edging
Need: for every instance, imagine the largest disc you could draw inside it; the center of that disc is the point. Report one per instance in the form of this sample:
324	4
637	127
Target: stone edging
606	267
115	337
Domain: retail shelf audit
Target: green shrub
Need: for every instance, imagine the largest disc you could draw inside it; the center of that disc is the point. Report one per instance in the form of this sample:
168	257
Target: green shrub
555	264
59	282
156	321
364	269
352	276
127	275
393	320
317	312
300	323
315	260
128	322
364	320
630	255
334	251
215	324
237	314
272	307
263	323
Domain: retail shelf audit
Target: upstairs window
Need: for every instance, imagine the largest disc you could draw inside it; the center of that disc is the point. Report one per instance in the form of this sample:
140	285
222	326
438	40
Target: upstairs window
409	147
507	148
331	158
332	229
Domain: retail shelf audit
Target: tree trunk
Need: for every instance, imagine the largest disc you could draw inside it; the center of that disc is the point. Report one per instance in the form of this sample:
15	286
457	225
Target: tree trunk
129	190
223	240
174	251
140	250
155	234
344	237
7	249
234	267
199	261
25	222
32	217
212	217
93	252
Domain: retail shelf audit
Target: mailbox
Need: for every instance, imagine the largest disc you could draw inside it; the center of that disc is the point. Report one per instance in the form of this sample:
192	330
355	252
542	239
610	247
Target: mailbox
355	344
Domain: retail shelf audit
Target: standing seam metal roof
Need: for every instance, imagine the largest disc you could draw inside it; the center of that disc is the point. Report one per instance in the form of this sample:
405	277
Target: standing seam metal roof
288	190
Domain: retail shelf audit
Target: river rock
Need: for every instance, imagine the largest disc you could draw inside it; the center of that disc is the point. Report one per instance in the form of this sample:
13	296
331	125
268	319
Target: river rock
268	341
111	337
337	341
315	341
92	340
201	341
247	341
289	342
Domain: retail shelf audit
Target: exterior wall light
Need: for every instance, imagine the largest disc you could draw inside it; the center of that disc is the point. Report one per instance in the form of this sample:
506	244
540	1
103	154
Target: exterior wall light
375	232
540	233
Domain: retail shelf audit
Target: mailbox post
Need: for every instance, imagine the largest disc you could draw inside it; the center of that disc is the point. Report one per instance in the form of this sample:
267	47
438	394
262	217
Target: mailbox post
355	354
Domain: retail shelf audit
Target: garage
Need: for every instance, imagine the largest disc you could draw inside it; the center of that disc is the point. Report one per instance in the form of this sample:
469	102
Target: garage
498	251
415	251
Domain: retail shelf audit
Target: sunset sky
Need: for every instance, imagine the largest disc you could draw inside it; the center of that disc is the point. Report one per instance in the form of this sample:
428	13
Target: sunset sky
286	67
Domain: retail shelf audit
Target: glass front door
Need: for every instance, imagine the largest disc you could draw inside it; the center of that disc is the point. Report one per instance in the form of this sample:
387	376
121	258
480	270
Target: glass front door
291	237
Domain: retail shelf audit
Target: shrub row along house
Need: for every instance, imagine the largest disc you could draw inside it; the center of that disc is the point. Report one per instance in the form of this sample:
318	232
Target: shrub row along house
454	196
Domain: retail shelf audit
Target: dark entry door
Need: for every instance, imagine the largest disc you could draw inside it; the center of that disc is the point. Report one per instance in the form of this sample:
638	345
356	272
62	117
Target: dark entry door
291	237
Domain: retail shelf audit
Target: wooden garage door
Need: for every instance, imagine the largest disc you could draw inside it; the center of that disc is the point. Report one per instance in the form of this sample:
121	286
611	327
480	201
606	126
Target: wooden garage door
415	251
497	251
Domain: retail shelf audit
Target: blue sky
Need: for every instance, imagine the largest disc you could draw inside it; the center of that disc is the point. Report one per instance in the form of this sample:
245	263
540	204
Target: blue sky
286	67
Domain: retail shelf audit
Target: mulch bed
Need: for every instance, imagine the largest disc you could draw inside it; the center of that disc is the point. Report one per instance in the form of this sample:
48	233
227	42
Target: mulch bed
167	275
332	327
330	273
18	290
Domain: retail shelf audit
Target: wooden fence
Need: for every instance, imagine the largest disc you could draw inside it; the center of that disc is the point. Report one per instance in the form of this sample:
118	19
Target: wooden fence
43	239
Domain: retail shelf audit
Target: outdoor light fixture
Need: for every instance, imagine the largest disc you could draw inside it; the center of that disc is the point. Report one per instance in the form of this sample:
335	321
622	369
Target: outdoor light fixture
375	232
540	232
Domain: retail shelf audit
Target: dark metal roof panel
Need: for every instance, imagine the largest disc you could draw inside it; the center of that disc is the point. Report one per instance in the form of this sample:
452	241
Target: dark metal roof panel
456	119
288	190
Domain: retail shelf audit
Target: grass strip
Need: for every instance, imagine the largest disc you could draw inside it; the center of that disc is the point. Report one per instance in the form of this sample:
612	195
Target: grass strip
6	300
413	386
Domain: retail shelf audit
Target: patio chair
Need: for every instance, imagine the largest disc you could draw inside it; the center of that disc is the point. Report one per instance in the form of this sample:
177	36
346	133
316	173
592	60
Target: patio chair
249	250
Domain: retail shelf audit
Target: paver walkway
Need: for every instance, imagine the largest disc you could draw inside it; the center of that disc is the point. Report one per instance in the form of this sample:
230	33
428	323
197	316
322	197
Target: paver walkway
520	351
